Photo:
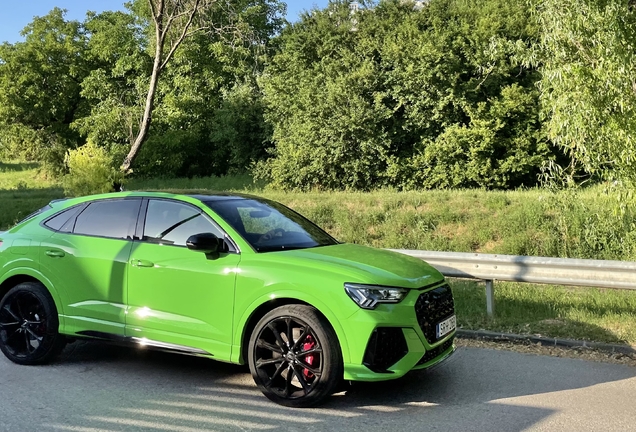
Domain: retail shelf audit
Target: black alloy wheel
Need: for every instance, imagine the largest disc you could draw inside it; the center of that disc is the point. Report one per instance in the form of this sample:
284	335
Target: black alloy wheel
294	356
29	325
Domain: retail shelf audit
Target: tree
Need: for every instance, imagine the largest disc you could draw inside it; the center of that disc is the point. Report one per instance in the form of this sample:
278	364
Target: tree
173	22
116	87
411	97
588	87
40	84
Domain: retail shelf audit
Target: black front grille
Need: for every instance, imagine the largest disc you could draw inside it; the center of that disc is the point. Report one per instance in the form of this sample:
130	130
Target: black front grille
435	352
432	307
385	348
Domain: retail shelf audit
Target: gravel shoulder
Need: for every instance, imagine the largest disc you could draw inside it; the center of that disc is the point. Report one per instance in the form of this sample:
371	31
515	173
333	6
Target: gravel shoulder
538	349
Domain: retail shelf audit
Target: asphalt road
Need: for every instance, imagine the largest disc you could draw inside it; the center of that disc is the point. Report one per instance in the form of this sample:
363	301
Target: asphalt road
97	387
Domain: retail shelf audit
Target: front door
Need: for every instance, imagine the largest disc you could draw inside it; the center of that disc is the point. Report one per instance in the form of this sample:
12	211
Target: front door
178	298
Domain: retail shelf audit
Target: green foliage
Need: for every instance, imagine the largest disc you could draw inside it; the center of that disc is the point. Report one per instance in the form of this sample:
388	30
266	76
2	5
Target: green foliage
589	71
208	115
456	94
409	98
70	82
40	82
90	170
115	87
501	147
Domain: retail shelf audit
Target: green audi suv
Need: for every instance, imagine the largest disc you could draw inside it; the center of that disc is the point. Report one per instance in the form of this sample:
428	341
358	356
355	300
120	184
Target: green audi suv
231	277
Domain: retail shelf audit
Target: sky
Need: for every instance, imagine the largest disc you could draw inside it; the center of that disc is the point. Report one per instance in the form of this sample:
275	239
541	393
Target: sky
16	14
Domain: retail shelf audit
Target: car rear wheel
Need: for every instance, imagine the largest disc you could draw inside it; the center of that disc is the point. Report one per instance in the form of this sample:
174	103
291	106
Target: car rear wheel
29	325
294	356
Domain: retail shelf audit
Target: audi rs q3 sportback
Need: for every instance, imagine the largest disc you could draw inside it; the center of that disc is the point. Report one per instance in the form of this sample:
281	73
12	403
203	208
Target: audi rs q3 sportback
231	277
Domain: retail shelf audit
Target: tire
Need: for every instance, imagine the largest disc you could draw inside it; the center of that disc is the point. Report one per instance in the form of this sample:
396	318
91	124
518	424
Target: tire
29	325
300	371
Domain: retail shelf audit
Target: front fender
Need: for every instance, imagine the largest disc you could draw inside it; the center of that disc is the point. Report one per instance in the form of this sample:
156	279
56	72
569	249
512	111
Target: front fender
291	294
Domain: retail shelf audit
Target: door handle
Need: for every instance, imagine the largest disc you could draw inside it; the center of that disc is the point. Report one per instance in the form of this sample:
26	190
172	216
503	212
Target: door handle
55	253
141	263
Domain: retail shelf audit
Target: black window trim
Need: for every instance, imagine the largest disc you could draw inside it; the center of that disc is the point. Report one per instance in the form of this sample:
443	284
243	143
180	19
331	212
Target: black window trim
78	209
85	205
141	224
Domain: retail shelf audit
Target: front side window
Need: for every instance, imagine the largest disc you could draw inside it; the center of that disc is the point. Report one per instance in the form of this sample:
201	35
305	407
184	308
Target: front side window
270	226
169	222
108	218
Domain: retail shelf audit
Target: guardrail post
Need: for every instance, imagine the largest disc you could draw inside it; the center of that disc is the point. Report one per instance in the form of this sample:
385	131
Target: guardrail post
490	297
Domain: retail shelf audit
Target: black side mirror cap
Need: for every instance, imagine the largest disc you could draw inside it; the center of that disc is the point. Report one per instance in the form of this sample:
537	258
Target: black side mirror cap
207	243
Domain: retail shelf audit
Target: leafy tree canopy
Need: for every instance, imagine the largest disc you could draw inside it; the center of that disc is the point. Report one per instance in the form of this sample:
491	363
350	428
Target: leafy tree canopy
406	97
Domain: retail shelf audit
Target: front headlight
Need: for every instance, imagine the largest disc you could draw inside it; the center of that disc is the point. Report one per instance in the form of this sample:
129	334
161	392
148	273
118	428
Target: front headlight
368	296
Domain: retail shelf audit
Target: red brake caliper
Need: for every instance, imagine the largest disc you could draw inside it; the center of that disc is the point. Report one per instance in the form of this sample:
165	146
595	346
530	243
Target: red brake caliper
309	359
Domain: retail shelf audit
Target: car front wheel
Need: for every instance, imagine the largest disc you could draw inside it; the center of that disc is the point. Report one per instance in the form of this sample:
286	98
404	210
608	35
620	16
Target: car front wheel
29	325
294	356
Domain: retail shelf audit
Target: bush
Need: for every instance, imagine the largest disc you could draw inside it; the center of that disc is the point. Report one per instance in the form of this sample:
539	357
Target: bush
437	97
91	170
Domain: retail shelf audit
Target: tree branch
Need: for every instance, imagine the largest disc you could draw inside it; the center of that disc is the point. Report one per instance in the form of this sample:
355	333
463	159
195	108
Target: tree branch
184	34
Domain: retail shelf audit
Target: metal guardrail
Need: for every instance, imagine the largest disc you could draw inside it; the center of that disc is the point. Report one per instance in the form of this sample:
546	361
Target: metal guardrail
539	270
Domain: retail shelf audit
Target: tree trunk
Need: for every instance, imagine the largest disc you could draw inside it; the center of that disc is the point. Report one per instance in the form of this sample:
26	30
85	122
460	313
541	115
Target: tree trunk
152	89
147	118
161	30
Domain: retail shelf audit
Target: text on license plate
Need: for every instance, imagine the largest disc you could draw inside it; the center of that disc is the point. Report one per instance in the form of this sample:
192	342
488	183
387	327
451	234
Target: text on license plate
445	327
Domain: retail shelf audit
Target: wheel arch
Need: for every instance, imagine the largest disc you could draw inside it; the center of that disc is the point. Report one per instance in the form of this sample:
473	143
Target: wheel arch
260	308
20	275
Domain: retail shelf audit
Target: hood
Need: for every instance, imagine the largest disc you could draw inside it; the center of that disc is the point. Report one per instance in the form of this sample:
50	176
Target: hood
364	264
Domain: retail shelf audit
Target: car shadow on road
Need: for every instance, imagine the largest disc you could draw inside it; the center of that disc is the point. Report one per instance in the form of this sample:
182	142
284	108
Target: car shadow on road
112	388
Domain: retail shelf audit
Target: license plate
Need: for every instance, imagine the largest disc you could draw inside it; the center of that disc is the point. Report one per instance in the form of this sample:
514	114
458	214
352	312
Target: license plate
445	327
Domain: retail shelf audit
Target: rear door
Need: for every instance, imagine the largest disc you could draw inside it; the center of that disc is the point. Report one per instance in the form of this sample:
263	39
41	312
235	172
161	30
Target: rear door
179	298
87	261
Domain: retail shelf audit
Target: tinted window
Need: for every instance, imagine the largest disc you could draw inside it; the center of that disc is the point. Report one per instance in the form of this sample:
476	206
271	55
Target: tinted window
270	226
170	222
57	222
111	218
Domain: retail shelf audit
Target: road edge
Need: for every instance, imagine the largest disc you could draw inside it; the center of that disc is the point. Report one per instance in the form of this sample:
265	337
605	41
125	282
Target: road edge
545	341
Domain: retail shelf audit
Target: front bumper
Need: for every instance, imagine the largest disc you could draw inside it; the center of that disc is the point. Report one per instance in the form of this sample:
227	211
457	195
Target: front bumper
390	341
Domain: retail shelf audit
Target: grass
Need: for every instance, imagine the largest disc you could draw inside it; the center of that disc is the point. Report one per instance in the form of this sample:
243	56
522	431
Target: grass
22	190
237	182
531	222
593	314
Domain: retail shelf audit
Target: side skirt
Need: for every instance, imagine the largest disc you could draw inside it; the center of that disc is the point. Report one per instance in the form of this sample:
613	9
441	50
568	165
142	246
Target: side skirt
143	342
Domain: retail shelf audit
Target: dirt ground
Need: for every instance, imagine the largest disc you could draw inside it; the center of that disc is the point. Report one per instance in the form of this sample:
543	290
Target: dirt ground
532	348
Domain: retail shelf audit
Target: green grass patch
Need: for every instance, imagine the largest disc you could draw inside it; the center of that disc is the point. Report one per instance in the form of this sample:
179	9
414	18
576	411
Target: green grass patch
530	222
594	314
23	189
241	182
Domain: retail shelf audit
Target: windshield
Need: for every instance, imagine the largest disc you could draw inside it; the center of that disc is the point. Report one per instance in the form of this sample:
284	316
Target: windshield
269	226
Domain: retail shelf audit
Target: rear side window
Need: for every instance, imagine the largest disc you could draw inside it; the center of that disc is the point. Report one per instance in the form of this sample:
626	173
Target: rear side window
111	218
59	220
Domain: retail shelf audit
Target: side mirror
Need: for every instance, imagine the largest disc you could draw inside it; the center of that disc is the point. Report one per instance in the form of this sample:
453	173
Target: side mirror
207	243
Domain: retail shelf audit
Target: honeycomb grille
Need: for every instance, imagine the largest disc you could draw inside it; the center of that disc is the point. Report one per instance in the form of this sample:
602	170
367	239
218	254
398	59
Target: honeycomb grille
432	307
